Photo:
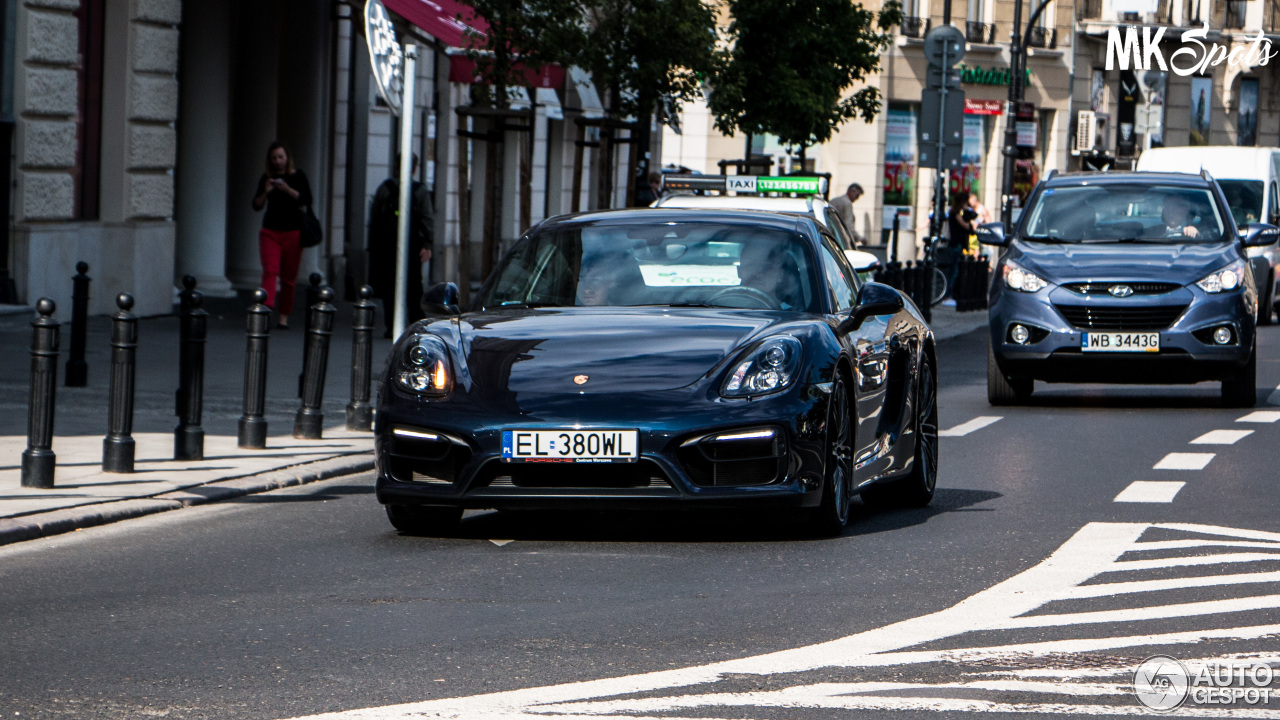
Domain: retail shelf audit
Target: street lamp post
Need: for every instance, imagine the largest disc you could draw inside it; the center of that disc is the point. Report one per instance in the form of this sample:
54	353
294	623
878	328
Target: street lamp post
1017	75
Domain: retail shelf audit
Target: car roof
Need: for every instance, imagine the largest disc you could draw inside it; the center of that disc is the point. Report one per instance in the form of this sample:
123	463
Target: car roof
652	216
743	202
1127	178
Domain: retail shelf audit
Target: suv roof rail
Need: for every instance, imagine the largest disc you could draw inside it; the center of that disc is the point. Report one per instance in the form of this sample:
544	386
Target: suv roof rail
1204	173
1051	173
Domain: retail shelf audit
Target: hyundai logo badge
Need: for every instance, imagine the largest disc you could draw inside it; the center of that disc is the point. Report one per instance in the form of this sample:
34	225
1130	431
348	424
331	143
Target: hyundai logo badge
1121	291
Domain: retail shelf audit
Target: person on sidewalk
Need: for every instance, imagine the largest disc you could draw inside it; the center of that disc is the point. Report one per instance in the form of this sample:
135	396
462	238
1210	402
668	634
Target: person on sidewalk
283	190
843	205
960	226
383	229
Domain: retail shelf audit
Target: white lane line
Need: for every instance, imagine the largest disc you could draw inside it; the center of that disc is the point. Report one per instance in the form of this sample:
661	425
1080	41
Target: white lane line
1155	612
1222	437
1274	397
1184	461
1261	416
1082	592
965	428
500	543
1142	491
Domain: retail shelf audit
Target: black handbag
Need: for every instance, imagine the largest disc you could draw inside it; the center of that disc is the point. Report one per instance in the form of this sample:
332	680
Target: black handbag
311	234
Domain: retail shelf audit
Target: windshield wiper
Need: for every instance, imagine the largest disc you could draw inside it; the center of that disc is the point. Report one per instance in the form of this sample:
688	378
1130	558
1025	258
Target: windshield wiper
691	303
1048	239
528	304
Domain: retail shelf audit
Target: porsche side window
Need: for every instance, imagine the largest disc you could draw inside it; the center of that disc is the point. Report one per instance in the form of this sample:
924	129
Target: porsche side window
842	233
842	290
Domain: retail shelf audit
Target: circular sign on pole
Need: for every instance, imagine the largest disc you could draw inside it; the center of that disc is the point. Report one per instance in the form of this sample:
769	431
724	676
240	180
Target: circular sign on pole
946	37
385	54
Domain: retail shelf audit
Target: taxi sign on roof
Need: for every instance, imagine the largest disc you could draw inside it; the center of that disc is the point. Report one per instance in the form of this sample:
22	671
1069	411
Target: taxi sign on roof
747	183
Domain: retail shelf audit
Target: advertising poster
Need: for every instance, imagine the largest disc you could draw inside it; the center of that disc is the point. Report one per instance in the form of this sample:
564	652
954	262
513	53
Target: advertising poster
899	156
1247	118
1098	91
1201	110
969	177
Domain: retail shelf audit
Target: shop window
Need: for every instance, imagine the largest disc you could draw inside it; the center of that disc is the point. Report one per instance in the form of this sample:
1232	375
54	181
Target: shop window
88	168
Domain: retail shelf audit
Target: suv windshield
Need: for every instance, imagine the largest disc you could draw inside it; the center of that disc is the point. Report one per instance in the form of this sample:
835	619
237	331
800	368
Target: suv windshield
671	263
1244	197
1125	212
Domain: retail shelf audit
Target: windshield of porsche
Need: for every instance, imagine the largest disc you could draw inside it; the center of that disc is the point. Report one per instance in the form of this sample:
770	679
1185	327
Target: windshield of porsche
671	263
1147	213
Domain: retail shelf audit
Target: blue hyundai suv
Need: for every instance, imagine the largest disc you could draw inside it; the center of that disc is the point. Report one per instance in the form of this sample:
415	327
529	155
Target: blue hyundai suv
1124	278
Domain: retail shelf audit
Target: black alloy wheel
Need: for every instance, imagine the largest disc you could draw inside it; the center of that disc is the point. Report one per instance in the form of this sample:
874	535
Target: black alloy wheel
1242	390
917	488
416	520
832	515
1004	390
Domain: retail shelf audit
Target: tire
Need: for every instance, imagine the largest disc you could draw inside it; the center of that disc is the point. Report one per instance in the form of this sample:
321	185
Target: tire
417	520
1003	390
1242	390
916	490
832	515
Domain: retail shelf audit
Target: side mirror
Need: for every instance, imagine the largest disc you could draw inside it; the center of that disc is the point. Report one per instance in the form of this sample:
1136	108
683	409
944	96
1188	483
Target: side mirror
1260	234
992	234
873	299
441	299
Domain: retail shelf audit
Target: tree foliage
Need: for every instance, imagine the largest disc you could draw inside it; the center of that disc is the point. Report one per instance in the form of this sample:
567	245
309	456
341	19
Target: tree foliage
643	50
791	64
528	33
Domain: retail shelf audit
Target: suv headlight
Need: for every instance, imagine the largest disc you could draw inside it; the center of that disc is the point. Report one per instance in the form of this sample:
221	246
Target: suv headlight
1021	279
1225	280
424	367
770	368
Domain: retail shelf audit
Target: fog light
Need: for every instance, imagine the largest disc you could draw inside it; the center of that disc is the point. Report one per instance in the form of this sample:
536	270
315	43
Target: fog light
1020	334
1222	335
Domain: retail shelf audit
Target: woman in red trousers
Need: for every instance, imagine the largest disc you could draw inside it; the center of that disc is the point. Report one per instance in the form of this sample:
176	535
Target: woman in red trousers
283	191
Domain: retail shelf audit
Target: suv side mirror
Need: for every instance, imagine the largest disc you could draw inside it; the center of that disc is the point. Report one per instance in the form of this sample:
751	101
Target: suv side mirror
441	299
1260	234
873	299
992	234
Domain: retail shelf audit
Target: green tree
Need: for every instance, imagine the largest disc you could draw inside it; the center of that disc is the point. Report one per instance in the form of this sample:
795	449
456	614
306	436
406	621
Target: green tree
791	63
528	33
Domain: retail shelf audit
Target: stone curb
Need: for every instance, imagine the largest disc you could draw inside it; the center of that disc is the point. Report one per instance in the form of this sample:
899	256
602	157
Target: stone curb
55	522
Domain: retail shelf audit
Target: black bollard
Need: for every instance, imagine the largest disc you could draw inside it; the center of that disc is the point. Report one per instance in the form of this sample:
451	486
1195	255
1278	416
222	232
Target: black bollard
984	282
38	459
909	280
313	296
77	369
961	291
927	288
309	424
188	437
359	410
253	426
118	445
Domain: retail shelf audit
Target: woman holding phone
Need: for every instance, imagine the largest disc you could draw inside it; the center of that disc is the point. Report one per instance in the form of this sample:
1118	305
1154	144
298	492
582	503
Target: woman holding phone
283	190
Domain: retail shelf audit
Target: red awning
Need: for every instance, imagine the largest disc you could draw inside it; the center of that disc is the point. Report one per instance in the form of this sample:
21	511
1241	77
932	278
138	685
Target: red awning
440	19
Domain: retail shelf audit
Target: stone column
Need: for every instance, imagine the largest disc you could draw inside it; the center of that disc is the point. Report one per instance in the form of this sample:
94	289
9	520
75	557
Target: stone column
204	106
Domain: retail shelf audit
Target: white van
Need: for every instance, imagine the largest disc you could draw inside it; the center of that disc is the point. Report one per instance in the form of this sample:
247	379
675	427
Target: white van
1249	177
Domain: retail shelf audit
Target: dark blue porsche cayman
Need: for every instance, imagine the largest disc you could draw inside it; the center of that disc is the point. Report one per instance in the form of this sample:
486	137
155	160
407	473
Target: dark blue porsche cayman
646	359
1124	278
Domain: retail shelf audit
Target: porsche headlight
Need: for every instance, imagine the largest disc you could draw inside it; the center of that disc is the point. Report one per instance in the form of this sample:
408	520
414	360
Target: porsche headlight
1225	280
770	368
424	367
1019	278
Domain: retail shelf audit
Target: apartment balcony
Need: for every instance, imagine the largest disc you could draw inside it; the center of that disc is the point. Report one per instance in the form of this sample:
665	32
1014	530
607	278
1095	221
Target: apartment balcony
914	27
1233	15
980	33
1040	37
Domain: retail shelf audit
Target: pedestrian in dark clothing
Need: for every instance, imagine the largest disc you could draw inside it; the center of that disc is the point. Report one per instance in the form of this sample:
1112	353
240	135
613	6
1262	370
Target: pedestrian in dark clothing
647	192
960	223
383	221
283	190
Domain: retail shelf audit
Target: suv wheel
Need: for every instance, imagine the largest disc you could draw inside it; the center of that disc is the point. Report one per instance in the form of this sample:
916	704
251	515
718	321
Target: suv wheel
1004	390
1242	390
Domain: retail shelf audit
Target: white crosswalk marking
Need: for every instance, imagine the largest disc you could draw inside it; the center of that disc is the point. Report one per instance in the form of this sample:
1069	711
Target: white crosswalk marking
1222	437
972	631
1143	491
965	428
1184	461
1261	416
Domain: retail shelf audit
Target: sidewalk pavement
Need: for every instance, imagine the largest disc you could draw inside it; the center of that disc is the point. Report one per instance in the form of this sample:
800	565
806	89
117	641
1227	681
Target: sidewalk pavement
84	496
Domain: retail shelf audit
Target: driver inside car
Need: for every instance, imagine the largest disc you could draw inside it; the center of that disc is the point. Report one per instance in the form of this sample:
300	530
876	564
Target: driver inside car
766	266
1178	218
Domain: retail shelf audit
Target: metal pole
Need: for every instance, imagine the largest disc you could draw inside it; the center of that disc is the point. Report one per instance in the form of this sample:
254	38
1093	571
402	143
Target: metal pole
77	369
940	181
188	437
1010	151
406	189
309	423
252	433
38	459
359	411
118	445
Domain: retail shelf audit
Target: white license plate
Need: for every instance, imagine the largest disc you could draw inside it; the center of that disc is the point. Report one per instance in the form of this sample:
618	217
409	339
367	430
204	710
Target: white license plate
576	446
1121	342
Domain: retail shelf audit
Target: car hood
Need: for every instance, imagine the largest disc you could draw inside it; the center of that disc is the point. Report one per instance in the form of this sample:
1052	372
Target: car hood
1184	264
616	349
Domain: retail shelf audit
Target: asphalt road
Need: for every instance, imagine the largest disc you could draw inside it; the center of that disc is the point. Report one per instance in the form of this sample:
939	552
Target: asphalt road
1025	588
